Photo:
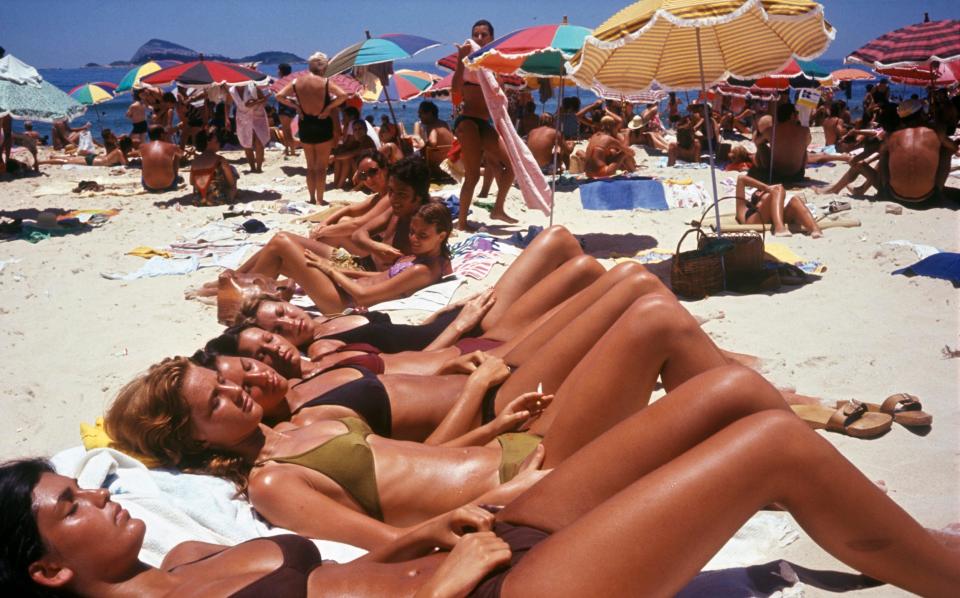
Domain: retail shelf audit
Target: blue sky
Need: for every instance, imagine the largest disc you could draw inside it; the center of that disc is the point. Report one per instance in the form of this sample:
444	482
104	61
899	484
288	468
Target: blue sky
66	33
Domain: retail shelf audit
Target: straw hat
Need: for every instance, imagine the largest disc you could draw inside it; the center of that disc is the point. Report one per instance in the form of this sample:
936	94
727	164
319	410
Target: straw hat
635	123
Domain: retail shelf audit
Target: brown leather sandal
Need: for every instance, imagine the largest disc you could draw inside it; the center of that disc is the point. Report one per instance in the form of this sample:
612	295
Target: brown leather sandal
905	409
851	418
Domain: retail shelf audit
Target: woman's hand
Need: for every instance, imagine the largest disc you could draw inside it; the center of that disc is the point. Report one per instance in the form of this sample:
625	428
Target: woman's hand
464	364
387	253
315	261
474	310
317	231
463	50
474	556
445	530
521	412
492	371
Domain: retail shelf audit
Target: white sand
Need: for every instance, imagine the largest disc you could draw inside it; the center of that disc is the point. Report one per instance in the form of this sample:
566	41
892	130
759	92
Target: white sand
73	338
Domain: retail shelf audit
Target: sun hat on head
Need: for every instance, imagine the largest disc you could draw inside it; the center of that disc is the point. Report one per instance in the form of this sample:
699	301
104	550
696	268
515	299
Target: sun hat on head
908	107
635	123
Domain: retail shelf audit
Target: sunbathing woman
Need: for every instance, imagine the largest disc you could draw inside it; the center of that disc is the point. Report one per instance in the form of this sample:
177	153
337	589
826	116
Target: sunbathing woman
214	180
769	204
115	156
337	229
645	478
192	418
479	141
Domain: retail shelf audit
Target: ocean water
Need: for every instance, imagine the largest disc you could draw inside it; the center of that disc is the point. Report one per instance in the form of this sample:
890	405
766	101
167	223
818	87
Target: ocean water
111	114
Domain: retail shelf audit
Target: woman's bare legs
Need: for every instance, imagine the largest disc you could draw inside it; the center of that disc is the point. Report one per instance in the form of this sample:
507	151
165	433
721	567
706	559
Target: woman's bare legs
288	140
771	209
796	211
496	158
269	260
284	255
471	145
649	502
551	248
317	156
598	387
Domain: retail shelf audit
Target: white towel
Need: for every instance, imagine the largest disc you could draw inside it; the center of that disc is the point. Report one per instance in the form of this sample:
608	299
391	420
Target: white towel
177	507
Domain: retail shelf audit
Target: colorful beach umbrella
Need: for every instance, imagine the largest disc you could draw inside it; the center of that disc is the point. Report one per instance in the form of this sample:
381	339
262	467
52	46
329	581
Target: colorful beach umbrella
912	45
24	95
851	75
796	74
686	44
377	50
942	75
539	51
449	62
406	84
89	94
132	79
204	72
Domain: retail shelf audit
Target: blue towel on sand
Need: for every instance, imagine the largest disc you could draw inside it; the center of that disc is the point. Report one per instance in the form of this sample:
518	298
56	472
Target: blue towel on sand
623	194
939	265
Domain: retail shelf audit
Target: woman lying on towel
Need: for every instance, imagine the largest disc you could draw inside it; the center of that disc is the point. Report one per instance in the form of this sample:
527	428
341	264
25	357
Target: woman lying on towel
550	271
769	204
192	418
337	229
403	406
573	533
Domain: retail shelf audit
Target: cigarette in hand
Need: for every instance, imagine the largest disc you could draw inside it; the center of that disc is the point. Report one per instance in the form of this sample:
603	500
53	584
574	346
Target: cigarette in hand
540	388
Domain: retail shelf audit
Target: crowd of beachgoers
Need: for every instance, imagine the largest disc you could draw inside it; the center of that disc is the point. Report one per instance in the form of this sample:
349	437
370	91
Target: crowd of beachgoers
569	429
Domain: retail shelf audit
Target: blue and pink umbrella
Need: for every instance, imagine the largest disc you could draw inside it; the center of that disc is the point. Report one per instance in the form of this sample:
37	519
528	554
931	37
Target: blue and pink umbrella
377	50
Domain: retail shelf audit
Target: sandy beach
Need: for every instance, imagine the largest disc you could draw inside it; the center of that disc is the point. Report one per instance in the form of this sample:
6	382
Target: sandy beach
72	337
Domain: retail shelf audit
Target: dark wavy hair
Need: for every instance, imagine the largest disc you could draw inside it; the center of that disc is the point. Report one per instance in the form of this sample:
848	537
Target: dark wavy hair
380	159
485	23
22	544
437	214
413	171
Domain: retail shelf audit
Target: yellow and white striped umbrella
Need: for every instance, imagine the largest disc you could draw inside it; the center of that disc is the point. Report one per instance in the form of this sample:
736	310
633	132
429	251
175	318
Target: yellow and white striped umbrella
664	41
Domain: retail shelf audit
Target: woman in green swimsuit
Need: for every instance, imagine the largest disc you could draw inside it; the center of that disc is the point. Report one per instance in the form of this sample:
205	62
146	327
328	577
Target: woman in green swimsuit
194	419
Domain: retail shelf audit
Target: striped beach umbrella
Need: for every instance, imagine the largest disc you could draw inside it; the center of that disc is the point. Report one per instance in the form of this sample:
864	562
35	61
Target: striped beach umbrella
89	94
406	84
132	79
686	44
539	51
204	72
942	75
851	75
912	45
344	82
377	50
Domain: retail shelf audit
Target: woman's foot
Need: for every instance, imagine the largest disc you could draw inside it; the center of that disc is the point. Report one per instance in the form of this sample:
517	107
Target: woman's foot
782	233
502	216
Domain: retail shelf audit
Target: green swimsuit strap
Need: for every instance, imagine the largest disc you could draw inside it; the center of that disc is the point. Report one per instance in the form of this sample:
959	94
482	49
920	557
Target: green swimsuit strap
348	460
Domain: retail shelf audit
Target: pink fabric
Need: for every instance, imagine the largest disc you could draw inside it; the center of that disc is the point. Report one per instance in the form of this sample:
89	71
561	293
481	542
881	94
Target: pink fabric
532	183
250	121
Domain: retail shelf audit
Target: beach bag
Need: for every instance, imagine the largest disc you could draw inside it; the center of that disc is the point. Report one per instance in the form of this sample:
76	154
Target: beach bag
742	251
699	272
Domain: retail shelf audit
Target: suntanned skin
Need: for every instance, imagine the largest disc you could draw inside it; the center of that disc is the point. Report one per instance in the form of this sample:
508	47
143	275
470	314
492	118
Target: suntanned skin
161	162
137	113
606	154
773	209
833	130
542	141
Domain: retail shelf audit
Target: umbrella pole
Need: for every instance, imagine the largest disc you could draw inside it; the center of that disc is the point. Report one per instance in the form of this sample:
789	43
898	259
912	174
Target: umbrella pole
386	94
773	138
556	153
709	125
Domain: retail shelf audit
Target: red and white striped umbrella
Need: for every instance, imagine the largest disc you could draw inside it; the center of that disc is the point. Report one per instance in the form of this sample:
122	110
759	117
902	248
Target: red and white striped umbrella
912	45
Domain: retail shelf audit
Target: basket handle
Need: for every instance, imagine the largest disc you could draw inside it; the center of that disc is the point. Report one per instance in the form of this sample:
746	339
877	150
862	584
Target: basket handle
694	229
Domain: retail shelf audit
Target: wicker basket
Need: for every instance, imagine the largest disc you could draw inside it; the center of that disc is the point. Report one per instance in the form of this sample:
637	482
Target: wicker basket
746	255
698	273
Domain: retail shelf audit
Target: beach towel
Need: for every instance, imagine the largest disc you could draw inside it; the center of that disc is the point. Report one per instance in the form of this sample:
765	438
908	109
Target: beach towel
623	194
945	265
728	222
922	251
784	254
176	507
161	266
532	183
681	194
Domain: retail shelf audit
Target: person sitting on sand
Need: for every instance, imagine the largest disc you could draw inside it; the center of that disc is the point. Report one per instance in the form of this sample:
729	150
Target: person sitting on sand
769	204
641	132
116	156
161	161
432	137
606	153
686	147
544	141
63	135
789	146
833	127
913	161
213	179
346	155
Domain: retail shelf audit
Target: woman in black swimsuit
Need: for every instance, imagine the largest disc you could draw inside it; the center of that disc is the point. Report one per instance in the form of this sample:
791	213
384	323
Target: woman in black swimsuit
682	475
769	204
317	99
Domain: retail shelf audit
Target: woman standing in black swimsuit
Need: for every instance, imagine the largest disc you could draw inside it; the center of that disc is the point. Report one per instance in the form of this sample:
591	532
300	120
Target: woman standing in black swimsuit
317	98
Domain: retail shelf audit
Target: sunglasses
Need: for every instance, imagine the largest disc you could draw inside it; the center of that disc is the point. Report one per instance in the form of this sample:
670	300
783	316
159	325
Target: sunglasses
365	174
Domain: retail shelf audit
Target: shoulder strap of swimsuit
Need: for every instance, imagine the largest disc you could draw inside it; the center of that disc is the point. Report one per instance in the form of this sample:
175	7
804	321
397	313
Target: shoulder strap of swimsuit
326	93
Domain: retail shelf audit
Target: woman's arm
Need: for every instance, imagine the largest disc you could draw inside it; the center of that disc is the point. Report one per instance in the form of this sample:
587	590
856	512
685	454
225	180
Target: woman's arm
469	317
339	97
362	237
461	417
346	228
409	281
456	84
294	497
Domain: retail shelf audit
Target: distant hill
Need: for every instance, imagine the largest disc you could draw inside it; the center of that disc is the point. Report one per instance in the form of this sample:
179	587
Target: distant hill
158	49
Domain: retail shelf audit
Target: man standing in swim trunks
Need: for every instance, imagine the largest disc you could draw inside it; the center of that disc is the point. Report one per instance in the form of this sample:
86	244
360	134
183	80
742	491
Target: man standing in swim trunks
137	113
160	163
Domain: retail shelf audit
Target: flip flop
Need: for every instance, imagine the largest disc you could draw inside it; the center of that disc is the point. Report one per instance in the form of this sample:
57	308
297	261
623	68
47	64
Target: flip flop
851	418
905	409
838	206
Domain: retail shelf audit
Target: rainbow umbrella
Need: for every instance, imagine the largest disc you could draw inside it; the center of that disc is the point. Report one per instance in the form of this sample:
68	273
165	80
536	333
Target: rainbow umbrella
407	84
539	51
449	62
132	79
204	72
89	94
377	50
